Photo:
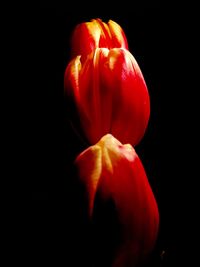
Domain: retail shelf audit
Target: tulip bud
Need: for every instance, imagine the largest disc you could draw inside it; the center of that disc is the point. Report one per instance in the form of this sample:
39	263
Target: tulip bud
110	95
113	173
89	35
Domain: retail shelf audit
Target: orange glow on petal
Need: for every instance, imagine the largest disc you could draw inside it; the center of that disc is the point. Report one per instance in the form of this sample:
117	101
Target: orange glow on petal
71	77
130	102
93	34
84	39
90	167
111	95
115	172
118	35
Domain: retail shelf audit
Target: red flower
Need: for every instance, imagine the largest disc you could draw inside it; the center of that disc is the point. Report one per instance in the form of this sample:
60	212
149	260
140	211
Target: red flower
110	95
114	172
89	35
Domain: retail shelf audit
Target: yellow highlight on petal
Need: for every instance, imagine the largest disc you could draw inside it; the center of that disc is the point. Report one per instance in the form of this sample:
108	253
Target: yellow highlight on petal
90	167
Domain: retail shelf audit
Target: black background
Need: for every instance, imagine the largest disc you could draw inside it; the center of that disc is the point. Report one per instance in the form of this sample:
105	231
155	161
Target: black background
160	39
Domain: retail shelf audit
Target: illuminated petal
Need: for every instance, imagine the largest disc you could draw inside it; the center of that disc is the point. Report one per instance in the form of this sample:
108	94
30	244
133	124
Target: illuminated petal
90	165
112	95
85	38
90	35
118	35
131	102
71	78
115	172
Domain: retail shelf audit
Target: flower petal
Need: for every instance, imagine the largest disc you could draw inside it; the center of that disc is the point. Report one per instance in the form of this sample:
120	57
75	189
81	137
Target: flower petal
113	172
